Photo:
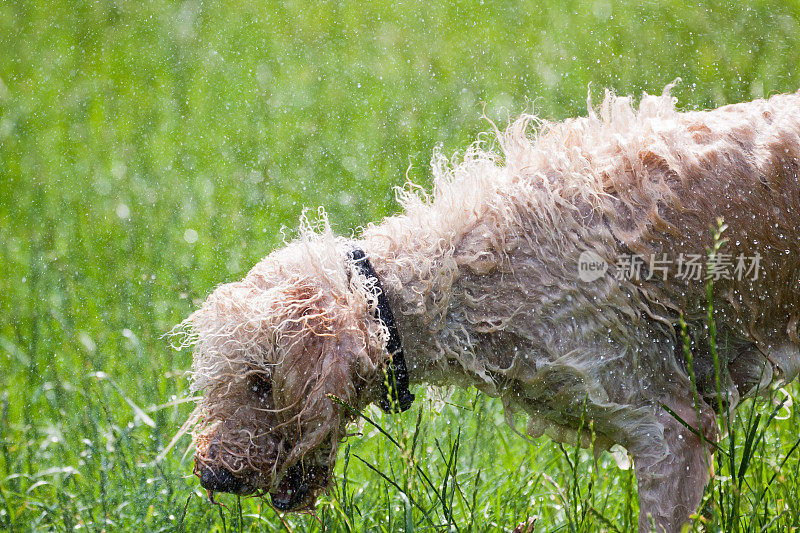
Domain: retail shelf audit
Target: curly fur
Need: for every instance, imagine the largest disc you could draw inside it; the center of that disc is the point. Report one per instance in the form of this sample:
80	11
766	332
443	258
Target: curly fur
483	281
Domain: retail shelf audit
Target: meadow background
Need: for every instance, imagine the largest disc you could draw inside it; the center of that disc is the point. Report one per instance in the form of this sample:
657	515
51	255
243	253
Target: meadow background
150	150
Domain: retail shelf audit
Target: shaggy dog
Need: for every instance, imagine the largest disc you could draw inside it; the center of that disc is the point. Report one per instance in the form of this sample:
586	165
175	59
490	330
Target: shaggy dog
487	281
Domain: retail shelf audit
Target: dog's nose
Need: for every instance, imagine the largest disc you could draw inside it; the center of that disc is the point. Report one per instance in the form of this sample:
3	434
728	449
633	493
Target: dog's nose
221	481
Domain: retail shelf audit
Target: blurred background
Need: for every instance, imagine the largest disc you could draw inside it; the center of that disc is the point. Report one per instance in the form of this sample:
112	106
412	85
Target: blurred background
151	150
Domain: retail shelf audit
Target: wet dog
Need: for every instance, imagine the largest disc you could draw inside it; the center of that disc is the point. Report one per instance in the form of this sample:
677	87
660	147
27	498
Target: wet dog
550	272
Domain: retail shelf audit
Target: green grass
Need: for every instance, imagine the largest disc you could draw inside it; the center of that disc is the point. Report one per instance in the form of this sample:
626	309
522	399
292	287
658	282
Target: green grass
129	128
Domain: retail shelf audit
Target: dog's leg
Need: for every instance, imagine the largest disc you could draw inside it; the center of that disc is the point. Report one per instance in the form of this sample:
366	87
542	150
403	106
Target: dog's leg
671	485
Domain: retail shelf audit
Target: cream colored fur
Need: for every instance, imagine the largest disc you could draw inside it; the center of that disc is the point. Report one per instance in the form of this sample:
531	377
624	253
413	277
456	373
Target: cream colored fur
482	277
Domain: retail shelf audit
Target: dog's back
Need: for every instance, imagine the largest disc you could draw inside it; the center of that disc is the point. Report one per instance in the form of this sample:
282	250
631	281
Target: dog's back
739	163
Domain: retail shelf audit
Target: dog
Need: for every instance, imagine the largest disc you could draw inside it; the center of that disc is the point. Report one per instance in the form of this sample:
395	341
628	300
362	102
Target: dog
516	276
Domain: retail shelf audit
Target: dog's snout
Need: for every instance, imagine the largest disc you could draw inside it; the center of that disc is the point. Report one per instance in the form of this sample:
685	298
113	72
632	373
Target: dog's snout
293	490
221	480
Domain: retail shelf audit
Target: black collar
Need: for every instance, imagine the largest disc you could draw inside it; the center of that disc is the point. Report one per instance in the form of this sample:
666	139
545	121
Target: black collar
396	397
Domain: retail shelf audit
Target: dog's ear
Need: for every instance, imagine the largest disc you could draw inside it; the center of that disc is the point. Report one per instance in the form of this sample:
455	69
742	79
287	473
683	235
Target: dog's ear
327	348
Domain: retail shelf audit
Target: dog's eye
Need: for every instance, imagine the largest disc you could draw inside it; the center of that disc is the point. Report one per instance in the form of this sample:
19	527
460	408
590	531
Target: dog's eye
260	385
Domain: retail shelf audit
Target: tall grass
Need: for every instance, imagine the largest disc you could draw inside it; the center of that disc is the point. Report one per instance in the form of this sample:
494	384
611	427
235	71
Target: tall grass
151	150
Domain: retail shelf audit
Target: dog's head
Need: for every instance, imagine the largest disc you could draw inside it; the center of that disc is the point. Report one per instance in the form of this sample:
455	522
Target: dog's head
270	352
